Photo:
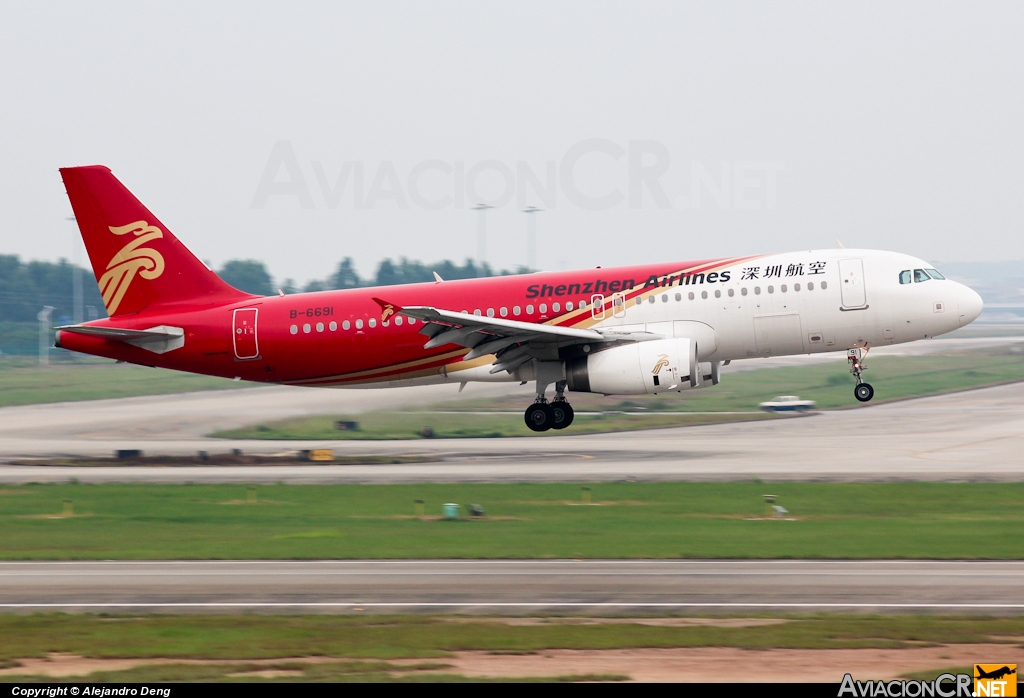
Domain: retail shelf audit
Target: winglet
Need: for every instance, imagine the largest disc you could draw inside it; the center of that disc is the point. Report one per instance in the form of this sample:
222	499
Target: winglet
387	309
437	278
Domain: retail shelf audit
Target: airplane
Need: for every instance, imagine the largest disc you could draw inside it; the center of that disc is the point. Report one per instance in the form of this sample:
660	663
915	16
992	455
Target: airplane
994	674
665	327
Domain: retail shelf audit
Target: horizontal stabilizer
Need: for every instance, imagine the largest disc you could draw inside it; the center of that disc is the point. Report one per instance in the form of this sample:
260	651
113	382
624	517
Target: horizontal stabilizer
159	340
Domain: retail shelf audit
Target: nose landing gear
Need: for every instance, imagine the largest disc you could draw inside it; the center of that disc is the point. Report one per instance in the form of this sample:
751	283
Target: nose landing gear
543	415
862	391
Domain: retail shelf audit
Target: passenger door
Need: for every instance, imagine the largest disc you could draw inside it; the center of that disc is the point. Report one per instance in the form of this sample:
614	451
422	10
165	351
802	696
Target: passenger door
851	277
243	331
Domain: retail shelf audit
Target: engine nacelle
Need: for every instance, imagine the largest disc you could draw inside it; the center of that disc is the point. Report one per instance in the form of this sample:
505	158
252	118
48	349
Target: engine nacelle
657	366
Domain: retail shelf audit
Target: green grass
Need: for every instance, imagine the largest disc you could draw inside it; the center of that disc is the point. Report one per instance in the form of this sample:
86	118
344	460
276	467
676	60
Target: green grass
24	383
624	520
411	425
830	385
257	637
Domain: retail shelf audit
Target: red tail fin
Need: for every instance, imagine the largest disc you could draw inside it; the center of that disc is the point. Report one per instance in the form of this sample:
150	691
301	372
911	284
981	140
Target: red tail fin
138	263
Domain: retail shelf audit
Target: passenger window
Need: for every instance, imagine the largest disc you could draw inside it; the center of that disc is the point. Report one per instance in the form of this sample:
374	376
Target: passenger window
718	294
690	296
824	285
639	300
554	307
920	276
373	322
359	324
664	298
651	299
743	291
704	294
346	324
679	296
543	307
771	289
905	276
568	305
810	285
529	310
398	320
935	274
583	304
731	293
490	312
516	310
796	287
334	325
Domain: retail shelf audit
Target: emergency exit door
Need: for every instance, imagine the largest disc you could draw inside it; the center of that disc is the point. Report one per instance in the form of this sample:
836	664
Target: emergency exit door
244	333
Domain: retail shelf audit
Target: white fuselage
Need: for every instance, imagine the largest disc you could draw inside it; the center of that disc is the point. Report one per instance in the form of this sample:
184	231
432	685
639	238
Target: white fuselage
777	305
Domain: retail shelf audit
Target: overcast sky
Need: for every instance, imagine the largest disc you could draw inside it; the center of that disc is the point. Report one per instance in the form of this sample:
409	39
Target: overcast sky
300	133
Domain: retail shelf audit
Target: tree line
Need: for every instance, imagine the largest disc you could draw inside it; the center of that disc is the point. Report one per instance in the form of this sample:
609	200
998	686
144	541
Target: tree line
26	287
253	277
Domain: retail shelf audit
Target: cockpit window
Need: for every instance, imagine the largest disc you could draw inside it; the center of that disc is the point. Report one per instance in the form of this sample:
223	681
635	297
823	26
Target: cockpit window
934	274
920	275
905	276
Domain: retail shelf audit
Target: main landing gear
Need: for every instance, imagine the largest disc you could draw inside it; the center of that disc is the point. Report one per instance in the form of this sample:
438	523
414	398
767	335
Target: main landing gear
543	415
862	391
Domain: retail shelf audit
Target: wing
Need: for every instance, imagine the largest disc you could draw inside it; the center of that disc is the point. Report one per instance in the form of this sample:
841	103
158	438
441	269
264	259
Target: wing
513	342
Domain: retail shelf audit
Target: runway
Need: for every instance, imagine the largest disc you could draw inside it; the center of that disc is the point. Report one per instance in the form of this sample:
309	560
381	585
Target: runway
613	586
975	435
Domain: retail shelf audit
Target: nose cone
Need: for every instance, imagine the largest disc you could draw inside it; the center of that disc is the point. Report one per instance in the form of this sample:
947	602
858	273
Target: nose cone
971	305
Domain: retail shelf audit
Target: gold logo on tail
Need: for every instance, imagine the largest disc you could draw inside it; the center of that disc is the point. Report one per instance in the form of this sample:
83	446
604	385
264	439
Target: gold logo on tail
132	259
389	310
662	363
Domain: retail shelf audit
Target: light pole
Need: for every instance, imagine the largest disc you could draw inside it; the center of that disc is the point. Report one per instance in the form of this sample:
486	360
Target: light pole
481	232
44	335
531	236
76	278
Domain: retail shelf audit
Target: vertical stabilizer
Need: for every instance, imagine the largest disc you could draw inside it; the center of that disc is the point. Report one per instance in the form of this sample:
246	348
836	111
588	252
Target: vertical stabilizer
139	264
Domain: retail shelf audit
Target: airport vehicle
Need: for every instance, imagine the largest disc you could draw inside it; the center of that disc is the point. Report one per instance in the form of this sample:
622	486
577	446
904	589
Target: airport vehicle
787	403
662	327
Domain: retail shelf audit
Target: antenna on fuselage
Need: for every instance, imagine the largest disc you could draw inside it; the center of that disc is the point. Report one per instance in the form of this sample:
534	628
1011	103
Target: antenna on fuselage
437	278
839	244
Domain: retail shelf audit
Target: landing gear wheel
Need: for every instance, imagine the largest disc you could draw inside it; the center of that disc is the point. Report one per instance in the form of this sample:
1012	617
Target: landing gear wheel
539	416
563	414
863	392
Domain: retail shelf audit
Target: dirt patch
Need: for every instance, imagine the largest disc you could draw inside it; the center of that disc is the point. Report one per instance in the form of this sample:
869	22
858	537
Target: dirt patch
70	665
727	664
655	622
688	664
267	674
